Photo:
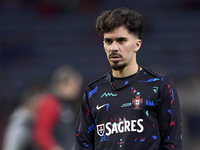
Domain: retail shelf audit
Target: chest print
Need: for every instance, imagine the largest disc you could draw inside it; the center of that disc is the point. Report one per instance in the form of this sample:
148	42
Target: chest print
108	94
137	101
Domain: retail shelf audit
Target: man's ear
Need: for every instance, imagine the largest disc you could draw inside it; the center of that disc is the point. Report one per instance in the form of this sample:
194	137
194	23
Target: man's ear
138	44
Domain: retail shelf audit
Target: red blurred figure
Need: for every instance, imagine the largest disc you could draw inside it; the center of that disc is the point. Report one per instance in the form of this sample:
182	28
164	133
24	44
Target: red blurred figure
56	118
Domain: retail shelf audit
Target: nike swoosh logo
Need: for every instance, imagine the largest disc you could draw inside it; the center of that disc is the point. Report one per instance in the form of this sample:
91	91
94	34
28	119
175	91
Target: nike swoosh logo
99	107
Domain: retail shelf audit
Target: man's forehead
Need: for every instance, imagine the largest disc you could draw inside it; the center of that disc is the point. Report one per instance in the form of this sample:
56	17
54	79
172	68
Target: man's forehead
120	32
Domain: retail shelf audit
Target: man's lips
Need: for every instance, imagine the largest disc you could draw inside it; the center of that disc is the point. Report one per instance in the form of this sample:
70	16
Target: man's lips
115	57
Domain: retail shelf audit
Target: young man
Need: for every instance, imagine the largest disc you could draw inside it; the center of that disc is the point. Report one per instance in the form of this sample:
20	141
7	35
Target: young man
130	107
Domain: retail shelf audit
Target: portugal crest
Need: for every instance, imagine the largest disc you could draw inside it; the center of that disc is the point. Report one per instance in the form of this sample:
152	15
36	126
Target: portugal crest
137	101
100	129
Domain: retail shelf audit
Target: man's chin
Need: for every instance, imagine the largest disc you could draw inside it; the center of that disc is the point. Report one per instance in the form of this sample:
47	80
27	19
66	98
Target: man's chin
118	66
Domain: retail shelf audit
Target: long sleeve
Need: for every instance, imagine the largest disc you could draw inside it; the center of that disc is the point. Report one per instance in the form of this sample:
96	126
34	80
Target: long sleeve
46	118
16	139
18	133
169	116
85	127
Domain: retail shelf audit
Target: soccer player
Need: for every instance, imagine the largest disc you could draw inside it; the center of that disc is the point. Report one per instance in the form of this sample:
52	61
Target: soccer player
130	107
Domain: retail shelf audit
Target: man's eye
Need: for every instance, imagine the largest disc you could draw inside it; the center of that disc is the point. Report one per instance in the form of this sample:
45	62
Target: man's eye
121	40
107	41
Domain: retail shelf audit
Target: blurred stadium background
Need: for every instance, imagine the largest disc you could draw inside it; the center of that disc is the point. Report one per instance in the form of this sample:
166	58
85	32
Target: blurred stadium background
37	36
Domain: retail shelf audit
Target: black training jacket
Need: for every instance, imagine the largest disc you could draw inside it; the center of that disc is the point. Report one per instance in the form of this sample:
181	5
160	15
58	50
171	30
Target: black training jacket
139	112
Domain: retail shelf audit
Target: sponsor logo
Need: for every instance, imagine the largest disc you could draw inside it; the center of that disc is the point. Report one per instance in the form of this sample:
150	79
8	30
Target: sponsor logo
100	129
121	127
99	107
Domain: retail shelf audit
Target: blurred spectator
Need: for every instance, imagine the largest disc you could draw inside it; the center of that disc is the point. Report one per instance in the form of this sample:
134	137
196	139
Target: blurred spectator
189	92
56	117
18	134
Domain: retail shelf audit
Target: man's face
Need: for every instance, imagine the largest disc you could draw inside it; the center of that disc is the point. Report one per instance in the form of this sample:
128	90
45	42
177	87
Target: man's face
121	47
71	89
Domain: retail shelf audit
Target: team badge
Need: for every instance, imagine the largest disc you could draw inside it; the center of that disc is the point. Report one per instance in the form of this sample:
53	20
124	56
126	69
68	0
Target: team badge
100	129
137	101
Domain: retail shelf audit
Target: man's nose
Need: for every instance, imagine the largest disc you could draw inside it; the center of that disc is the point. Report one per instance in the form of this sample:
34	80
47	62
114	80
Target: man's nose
114	46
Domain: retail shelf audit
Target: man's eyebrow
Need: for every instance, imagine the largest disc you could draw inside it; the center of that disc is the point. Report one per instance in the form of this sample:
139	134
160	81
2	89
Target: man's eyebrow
118	38
121	38
107	39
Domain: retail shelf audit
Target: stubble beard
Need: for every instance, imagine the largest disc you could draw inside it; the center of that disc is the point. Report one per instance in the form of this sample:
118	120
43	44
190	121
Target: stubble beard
116	66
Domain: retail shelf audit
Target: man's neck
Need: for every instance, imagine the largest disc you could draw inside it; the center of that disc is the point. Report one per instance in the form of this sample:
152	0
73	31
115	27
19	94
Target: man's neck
127	71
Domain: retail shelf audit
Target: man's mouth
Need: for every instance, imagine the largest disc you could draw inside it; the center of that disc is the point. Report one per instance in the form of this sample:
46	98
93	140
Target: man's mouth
115	57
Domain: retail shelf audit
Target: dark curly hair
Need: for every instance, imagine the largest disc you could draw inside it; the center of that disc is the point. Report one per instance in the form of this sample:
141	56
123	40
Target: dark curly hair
110	20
